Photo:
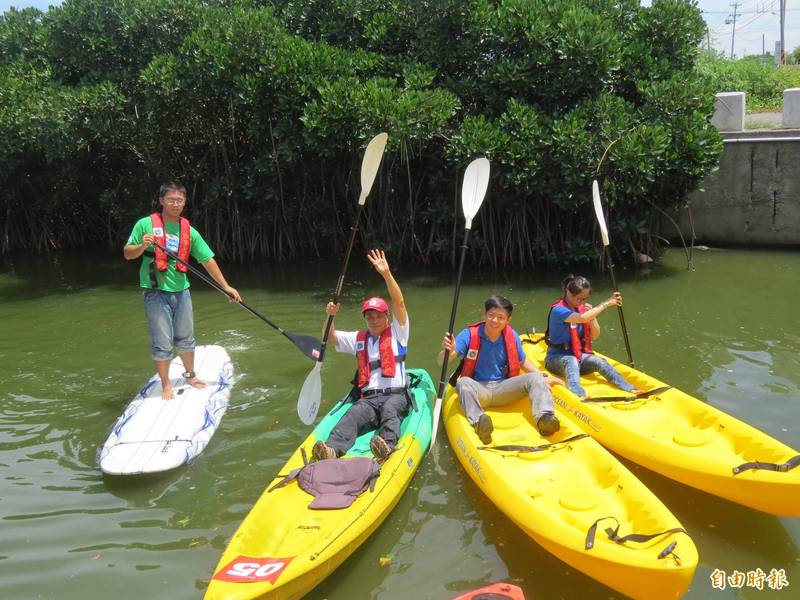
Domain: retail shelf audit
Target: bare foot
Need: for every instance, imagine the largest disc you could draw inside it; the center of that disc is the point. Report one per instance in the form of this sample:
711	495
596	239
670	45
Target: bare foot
196	383
166	392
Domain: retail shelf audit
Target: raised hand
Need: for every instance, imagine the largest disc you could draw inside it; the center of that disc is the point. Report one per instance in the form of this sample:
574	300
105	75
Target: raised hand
378	260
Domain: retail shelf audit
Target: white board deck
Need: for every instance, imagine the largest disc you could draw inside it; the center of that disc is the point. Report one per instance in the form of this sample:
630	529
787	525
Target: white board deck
155	435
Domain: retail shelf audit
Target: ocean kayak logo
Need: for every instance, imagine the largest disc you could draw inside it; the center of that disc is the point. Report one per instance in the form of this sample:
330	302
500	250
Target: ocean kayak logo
248	569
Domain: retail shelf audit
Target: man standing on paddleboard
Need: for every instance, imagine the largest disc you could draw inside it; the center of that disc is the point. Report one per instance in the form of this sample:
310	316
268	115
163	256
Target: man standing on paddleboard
490	371
380	396
167	302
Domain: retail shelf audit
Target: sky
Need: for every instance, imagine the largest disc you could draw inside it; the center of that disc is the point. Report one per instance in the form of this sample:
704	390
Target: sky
757	22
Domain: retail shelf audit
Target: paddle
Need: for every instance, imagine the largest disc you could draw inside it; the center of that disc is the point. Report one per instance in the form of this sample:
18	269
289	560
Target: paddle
476	180
598	211
308	345
311	392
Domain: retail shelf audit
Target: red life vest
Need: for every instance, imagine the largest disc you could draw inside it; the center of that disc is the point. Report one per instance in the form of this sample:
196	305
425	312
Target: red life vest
579	346
183	245
471	359
388	363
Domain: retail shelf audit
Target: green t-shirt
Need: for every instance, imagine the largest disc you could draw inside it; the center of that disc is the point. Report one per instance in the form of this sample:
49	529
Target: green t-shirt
170	280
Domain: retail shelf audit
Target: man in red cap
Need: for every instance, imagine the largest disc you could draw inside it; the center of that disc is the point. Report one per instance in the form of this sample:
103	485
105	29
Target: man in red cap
381	397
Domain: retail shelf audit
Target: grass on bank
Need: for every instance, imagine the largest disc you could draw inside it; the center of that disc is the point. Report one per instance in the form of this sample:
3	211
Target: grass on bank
758	76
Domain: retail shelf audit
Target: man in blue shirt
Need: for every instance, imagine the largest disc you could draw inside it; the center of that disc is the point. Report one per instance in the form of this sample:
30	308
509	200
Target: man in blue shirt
490	371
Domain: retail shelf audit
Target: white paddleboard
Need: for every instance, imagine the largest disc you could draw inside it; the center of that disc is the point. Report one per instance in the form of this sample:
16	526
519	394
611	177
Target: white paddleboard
155	435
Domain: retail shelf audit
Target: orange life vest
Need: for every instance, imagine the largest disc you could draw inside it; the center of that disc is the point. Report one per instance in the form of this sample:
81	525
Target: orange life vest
184	245
579	345
471	359
388	362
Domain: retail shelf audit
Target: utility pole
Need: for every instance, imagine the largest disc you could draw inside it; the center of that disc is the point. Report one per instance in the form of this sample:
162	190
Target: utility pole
735	14
783	22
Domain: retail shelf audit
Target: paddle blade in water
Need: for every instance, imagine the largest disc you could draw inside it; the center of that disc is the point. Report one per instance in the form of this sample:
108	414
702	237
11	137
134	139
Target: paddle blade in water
598	211
308	345
310	396
437	410
476	180
370	163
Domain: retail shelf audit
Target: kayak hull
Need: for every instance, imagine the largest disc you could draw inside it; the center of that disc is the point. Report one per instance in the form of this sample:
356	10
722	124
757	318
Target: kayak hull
683	438
555	495
283	549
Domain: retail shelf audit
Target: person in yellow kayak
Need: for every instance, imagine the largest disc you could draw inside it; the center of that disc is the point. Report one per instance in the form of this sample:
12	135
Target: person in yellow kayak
490	374
380	396
571	327
167	302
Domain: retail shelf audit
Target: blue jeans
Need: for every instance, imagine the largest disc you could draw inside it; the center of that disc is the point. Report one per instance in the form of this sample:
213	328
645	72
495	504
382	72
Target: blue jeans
170	319
567	365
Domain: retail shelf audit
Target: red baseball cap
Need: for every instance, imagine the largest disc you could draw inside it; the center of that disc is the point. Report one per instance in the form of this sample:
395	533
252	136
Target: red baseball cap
375	303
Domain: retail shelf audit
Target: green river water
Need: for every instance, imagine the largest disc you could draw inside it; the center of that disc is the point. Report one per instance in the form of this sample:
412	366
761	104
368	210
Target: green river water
74	351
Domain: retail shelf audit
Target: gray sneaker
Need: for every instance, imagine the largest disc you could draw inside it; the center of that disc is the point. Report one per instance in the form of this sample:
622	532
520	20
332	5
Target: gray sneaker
548	424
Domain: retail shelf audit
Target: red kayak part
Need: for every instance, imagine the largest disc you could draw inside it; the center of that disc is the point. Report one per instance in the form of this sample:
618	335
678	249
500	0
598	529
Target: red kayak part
496	591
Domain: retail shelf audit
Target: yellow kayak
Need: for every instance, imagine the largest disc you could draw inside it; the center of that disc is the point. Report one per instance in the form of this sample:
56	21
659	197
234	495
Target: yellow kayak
283	549
683	438
562	489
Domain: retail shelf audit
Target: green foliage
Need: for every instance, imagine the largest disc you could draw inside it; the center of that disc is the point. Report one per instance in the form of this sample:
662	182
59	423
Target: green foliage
264	108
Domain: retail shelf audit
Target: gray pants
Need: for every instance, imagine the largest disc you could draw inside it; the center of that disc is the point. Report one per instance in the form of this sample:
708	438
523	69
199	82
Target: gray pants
384	413
477	395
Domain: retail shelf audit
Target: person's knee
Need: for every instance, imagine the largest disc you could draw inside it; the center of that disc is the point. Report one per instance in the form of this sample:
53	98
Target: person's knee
186	344
161	353
466	385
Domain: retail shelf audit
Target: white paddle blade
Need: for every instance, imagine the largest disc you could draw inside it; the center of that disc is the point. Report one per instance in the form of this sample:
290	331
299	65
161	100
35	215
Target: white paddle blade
370	163
476	181
598	211
310	396
437	409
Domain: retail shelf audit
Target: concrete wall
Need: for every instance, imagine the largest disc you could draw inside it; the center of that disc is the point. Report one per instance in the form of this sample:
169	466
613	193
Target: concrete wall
754	197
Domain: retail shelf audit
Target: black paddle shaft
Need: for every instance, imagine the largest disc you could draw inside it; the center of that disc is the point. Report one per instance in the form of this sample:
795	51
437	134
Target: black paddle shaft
619	308
294	338
453	312
340	282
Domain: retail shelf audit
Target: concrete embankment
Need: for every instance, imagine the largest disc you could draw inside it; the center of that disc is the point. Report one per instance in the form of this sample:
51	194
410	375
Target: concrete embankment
754	197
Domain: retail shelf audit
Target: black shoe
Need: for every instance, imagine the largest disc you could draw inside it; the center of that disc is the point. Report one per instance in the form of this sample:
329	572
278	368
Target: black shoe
321	451
380	449
548	424
484	428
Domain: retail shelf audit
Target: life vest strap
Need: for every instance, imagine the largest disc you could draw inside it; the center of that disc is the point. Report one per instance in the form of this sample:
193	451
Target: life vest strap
780	468
376	364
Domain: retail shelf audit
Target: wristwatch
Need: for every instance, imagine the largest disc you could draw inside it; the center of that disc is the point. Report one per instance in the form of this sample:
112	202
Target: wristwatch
189	374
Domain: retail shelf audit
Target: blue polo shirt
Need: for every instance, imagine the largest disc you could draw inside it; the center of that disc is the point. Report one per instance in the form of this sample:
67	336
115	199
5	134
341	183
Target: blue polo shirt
559	330
492	362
